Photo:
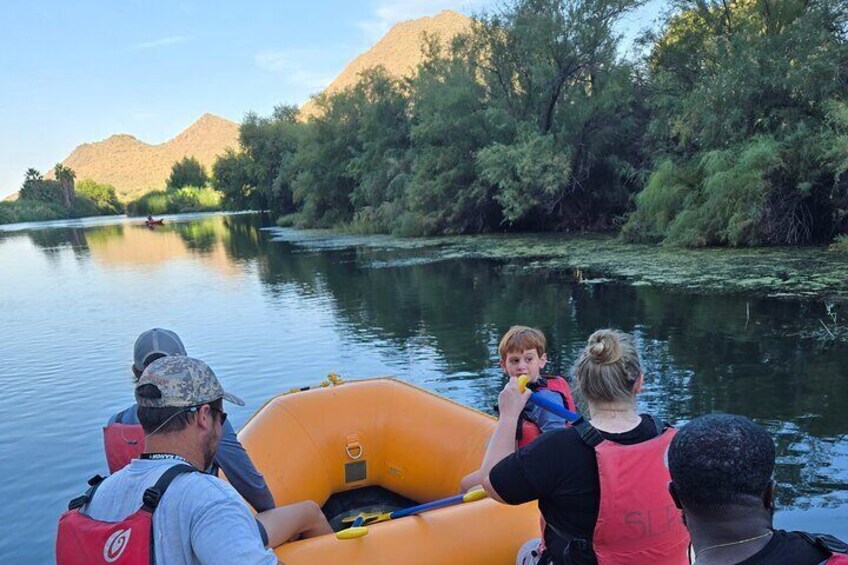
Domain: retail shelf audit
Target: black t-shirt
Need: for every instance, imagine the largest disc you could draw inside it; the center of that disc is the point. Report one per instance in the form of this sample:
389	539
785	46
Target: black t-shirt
787	548
560	471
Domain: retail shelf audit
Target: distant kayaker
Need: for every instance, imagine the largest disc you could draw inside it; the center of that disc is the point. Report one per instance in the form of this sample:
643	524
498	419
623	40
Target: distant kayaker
721	469
522	352
196	518
594	511
124	440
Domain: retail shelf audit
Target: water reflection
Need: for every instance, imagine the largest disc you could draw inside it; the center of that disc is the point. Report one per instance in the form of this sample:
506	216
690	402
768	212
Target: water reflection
703	353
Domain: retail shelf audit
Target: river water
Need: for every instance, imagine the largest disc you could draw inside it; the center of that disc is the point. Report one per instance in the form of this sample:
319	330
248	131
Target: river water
270	309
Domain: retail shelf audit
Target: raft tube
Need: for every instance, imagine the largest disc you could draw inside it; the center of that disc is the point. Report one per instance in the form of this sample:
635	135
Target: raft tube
382	432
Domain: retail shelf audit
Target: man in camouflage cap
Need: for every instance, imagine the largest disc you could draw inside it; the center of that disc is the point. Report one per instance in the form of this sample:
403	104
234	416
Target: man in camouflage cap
200	519
124	438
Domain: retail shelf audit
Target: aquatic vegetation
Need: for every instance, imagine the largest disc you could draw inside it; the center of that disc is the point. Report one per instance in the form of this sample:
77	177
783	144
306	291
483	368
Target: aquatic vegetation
797	272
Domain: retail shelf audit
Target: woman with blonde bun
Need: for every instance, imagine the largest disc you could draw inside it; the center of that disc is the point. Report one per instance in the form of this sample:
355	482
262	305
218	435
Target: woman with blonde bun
602	484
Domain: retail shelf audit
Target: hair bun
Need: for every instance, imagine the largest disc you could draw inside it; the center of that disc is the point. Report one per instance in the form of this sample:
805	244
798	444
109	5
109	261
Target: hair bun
604	347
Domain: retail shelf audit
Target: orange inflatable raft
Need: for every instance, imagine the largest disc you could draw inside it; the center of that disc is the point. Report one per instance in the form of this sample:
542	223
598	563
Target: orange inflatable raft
340	440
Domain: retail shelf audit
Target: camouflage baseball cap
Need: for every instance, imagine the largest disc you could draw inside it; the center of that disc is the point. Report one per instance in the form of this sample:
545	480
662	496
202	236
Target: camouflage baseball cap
183	382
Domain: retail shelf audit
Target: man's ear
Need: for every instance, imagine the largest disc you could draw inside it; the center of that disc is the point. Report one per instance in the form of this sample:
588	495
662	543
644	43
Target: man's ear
543	360
672	490
204	417
502	365
768	495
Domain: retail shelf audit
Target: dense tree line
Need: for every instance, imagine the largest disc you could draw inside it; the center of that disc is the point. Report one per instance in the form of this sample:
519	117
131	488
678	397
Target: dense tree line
731	128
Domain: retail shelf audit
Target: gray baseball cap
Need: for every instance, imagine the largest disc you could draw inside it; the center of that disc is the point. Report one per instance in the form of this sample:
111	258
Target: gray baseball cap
182	382
156	341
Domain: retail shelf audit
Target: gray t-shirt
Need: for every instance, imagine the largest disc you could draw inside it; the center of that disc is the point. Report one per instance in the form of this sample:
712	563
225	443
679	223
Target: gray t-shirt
200	519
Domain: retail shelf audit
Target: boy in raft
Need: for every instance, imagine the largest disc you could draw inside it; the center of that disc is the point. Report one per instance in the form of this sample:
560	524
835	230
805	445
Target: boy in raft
522	352
124	440
721	469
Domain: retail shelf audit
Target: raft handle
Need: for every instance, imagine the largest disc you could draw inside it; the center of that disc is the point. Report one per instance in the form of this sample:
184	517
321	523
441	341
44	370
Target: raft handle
354	446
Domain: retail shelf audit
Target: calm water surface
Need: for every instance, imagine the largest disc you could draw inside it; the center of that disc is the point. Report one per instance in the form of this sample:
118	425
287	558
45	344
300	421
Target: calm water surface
270	309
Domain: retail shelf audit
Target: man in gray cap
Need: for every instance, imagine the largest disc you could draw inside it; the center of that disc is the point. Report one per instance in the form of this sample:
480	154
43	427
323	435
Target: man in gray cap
200	519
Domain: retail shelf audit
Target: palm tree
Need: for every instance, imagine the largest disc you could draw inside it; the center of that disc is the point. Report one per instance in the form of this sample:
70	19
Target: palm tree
65	176
33	175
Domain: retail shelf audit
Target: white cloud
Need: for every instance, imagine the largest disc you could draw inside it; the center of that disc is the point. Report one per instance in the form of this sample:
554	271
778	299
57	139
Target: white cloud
163	42
389	12
297	66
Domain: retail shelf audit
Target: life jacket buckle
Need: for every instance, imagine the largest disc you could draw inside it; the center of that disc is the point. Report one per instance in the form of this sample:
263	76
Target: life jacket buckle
151	498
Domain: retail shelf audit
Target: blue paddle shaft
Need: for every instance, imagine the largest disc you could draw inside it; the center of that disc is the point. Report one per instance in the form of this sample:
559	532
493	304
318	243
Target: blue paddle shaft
427	506
553	407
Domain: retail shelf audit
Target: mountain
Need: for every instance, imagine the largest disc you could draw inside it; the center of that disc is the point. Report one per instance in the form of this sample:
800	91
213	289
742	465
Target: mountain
134	167
399	51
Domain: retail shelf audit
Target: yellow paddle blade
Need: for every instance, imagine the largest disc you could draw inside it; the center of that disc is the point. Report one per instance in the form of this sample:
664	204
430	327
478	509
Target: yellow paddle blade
472	495
522	382
352	533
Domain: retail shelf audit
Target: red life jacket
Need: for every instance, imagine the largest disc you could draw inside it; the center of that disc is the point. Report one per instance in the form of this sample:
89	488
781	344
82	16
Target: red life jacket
122	442
529	430
83	540
638	522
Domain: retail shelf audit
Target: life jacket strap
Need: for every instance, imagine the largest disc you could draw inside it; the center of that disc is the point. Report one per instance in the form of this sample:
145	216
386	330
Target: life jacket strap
81	501
825	541
588	433
154	494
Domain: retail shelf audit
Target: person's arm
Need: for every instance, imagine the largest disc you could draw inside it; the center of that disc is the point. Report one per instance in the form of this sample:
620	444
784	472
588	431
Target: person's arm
511	402
242	474
224	532
470	481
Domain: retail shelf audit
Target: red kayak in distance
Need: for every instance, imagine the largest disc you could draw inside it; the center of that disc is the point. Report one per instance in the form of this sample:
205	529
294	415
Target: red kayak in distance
151	223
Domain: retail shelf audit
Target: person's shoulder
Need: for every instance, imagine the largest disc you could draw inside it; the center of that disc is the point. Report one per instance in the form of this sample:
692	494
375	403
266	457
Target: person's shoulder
127	415
193	492
560	438
797	548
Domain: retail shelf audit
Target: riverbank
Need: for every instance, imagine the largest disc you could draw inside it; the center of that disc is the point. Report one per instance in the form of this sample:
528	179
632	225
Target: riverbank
804	272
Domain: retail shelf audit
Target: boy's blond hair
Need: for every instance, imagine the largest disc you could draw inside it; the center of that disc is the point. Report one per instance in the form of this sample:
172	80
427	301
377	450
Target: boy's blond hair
520	339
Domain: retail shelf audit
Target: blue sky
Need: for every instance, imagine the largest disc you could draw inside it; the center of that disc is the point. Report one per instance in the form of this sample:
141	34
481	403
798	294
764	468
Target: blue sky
76	72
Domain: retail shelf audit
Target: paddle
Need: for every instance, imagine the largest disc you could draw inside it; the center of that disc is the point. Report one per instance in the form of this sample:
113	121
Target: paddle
547	404
358	529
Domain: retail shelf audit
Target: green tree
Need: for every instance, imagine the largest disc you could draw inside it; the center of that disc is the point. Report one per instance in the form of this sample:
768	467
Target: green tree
449	126
380	167
323	183
270	145
231	175
187	172
103	196
32	175
65	176
746	95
